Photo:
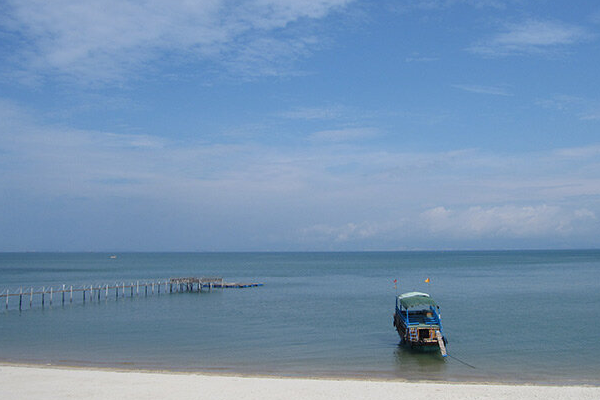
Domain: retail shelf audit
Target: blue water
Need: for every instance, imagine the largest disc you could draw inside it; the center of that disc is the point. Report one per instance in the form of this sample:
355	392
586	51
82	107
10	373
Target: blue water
512	316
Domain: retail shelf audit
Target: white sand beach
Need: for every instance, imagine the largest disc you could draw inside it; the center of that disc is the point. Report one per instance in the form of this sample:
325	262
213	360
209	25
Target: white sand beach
31	382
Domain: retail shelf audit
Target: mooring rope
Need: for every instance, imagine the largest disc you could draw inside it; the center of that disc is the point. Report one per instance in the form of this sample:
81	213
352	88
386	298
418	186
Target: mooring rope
461	361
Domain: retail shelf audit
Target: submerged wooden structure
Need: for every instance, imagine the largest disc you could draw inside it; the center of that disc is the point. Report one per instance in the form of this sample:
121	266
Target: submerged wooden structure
50	294
418	322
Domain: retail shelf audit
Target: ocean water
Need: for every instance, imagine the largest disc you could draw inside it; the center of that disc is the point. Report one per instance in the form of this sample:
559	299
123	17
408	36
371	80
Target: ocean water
509	316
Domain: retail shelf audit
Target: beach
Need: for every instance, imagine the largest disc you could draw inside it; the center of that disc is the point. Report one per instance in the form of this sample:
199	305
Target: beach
37	382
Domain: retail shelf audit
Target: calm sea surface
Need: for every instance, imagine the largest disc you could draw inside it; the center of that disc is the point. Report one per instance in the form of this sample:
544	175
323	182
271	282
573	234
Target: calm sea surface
514	316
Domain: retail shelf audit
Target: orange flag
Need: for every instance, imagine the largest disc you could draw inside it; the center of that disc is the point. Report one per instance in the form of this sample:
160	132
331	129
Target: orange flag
427	280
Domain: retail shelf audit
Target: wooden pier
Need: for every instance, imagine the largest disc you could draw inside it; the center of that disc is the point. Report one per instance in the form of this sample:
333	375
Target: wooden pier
64	293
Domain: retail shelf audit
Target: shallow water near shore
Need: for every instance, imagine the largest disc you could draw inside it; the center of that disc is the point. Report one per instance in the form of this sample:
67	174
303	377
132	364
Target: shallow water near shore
510	316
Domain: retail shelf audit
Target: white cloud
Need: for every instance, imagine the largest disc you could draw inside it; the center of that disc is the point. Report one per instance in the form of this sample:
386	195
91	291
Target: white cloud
507	221
105	39
480	89
489	224
530	37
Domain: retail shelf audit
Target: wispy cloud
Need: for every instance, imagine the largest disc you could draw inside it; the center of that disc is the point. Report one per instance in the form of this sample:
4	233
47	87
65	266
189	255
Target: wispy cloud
416	59
420	58
408	5
504	221
314	113
583	108
595	17
480	89
531	37
106	39
321	195
343	135
346	232
580	152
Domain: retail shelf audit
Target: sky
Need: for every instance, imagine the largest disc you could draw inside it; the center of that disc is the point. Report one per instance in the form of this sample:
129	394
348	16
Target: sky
297	125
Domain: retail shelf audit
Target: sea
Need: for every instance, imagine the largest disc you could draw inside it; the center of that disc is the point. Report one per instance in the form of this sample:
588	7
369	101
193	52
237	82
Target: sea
509	316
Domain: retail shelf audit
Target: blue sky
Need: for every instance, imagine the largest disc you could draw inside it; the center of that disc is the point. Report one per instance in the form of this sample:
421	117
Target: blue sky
299	125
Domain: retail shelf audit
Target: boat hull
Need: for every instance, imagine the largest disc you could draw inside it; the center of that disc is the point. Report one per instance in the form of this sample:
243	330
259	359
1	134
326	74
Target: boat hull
418	337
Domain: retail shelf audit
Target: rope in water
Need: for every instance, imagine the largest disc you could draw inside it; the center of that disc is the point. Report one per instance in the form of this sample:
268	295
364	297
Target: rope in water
461	361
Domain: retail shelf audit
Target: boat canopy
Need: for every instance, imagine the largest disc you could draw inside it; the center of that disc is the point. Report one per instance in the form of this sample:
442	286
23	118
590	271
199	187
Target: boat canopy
414	299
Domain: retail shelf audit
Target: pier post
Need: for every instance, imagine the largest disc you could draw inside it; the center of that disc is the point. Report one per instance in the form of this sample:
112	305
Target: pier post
106	294
137	288
7	293
43	293
83	291
170	288
123	289
99	288
20	298
31	297
146	289
131	294
71	298
152	287
116	290
50	295
63	295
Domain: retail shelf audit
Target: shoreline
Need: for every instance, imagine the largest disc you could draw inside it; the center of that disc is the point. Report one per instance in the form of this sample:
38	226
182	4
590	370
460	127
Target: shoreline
258	375
51	382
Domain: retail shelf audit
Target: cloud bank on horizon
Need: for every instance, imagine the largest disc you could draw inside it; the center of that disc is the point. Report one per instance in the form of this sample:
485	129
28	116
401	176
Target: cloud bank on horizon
298	125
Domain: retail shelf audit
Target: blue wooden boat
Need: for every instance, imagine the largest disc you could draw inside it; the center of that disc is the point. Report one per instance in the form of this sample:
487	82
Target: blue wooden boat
418	322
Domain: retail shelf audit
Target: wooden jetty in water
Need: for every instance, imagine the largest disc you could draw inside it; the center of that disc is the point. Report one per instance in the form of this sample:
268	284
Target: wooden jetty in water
105	291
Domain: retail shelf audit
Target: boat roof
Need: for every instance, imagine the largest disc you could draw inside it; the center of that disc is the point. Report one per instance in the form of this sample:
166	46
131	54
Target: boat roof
413	299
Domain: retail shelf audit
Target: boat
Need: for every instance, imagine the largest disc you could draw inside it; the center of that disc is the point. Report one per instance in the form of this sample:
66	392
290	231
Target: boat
418	322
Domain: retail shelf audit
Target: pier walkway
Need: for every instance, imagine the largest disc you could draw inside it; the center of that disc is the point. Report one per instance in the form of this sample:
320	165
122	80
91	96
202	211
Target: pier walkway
97	292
